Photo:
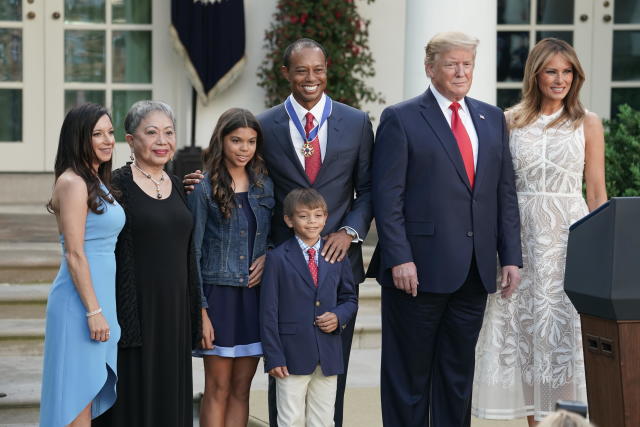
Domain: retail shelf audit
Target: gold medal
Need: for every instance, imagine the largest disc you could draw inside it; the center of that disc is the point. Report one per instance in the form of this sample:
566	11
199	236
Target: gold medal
307	149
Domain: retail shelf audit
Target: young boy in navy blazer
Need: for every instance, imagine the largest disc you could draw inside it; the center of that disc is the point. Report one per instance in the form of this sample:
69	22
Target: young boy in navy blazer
304	304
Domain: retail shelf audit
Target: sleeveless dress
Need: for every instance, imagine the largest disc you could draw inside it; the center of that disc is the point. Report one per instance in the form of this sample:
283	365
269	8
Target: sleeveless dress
78	370
529	353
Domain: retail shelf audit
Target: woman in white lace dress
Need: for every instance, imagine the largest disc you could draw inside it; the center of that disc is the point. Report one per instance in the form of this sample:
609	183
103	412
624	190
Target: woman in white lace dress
529	354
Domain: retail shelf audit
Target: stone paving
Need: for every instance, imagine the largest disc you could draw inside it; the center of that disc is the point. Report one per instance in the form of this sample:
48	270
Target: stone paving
27	223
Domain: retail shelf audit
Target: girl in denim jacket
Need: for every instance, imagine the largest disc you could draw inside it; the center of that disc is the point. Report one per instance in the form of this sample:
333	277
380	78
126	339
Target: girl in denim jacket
231	208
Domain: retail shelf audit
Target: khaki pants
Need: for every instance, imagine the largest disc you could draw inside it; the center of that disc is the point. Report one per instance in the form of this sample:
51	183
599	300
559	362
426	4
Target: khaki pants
306	400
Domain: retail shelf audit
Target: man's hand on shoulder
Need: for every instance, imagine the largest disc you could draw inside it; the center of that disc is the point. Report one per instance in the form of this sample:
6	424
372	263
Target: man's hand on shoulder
405	277
336	246
191	180
510	280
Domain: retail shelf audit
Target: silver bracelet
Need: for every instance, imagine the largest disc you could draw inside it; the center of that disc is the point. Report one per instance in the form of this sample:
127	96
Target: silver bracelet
93	313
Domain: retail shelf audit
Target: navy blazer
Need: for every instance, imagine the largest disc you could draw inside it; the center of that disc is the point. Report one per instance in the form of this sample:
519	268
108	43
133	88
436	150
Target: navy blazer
345	171
425	209
289	305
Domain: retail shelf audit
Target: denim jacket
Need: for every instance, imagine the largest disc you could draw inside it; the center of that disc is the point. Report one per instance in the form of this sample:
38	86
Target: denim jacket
221	244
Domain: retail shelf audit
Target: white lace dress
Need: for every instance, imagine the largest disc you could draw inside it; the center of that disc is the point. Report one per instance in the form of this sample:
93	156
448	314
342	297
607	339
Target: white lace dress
529	353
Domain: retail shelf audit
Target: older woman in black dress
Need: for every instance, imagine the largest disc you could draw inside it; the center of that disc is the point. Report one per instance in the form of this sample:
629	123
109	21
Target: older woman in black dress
159	299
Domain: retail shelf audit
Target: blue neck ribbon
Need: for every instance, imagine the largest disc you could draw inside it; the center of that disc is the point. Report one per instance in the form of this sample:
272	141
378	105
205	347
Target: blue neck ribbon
326	112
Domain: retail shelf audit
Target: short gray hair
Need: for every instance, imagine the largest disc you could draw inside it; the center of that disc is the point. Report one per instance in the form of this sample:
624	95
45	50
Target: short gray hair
141	109
446	41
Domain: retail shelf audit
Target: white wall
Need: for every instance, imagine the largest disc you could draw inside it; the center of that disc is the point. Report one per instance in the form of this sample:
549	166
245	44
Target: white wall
386	38
386	41
425	18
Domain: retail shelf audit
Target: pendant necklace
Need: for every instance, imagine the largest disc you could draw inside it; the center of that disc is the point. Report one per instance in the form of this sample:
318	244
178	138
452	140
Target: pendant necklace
156	183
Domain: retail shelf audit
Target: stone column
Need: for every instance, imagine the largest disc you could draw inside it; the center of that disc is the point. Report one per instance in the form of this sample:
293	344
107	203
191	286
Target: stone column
425	18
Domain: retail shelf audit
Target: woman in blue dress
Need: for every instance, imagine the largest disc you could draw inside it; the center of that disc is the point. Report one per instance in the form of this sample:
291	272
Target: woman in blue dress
82	332
231	208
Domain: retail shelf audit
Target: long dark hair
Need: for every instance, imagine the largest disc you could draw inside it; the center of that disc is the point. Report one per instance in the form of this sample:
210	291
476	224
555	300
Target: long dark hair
213	157
75	152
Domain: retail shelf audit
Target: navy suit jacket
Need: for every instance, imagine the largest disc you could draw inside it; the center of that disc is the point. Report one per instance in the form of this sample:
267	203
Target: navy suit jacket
289	304
425	209
345	171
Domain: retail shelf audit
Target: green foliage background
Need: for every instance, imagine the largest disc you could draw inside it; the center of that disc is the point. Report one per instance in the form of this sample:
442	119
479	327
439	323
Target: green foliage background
335	24
622	153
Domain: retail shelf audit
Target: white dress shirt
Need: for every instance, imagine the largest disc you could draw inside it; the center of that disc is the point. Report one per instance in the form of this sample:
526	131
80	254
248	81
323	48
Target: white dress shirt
305	249
298	141
301	112
465	117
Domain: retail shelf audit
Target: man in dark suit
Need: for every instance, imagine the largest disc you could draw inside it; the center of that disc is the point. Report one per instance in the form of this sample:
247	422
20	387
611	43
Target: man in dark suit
445	204
343	144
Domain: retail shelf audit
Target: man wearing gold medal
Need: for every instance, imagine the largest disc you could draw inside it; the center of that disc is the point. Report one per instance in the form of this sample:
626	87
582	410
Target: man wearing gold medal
312	141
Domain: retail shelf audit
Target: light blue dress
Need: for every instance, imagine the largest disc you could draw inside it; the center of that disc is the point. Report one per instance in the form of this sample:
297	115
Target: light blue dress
78	370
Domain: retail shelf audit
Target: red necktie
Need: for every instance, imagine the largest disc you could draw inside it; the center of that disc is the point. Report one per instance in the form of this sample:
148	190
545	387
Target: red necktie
313	267
313	162
464	142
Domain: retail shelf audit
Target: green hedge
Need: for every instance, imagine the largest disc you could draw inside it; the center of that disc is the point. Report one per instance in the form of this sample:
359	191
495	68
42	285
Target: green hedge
622	153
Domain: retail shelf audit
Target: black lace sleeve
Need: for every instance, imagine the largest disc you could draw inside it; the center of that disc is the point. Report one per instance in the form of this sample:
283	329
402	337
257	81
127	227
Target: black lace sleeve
126	291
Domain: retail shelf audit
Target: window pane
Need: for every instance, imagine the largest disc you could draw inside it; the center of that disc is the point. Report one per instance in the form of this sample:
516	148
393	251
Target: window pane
10	115
562	35
555	12
73	98
10	10
84	56
10	54
131	57
621	96
626	12
83	11
513	49
508	97
626	55
124	11
122	101
513	11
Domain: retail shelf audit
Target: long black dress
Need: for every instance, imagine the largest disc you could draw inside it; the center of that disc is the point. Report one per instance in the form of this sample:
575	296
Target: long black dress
155	384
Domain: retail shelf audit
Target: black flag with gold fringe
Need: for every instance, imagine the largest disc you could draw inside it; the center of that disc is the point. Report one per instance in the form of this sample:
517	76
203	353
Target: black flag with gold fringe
210	37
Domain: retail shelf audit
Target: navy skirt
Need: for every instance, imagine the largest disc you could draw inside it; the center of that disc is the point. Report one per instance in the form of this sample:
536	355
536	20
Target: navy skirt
233	312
